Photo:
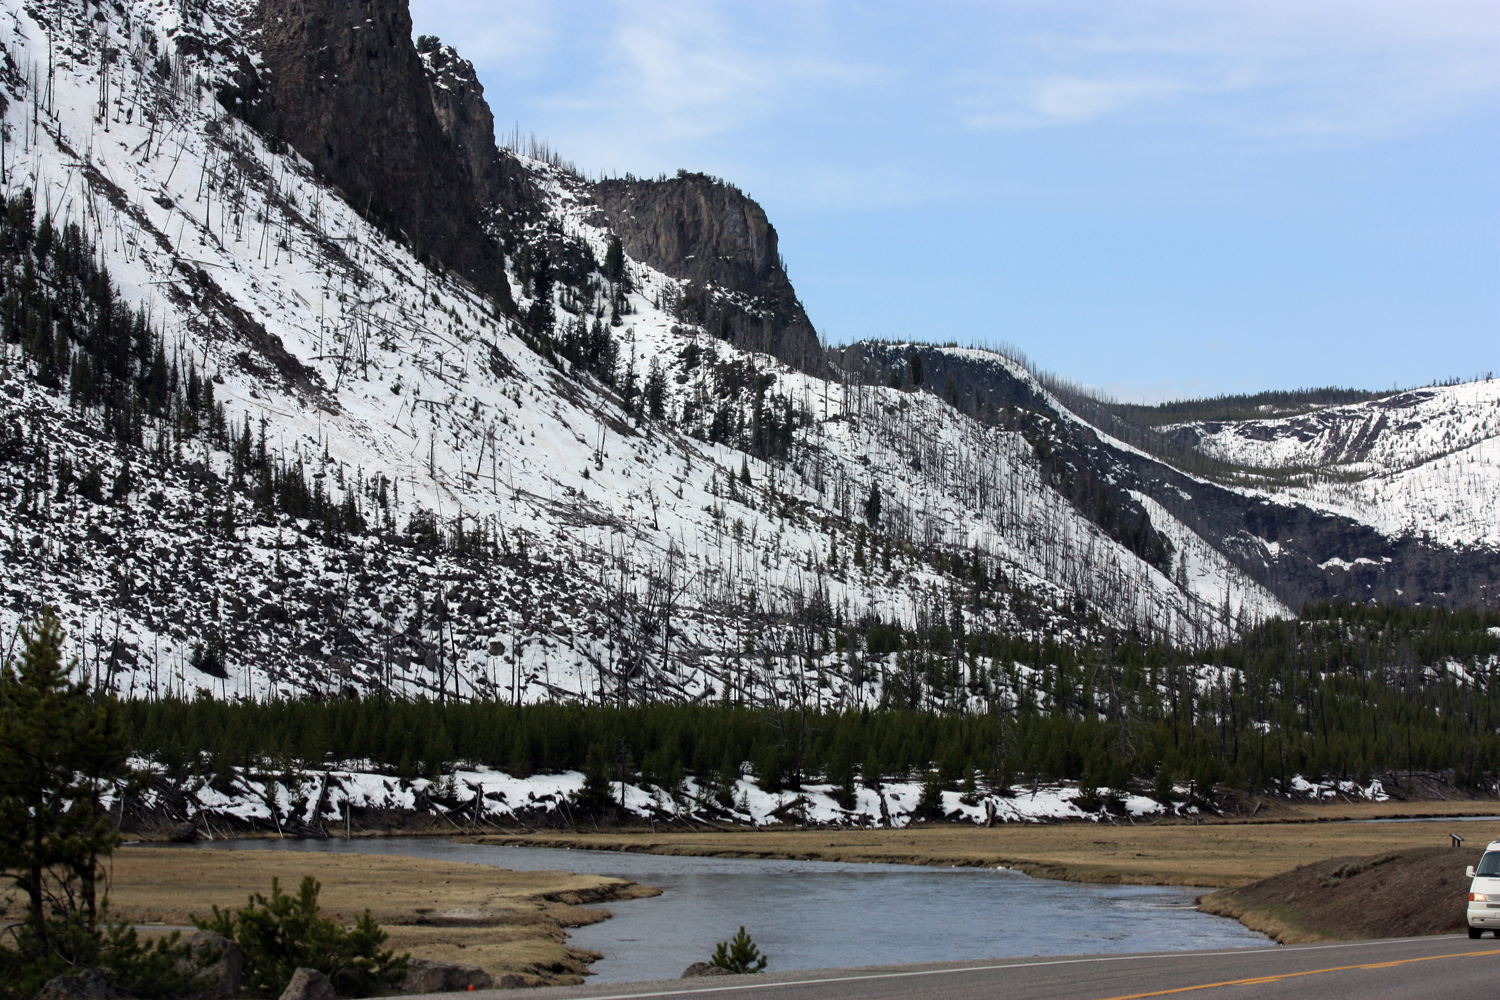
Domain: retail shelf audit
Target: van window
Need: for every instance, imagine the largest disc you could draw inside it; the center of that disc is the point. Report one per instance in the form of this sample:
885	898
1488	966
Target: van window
1489	864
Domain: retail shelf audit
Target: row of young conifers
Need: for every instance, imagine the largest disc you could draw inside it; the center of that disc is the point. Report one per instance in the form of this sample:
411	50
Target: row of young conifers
1348	692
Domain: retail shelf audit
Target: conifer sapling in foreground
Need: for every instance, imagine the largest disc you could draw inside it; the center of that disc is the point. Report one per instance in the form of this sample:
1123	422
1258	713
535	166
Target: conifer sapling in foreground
739	955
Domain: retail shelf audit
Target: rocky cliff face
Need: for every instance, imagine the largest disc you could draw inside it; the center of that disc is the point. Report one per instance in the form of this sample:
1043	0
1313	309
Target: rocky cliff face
501	184
702	230
410	138
344	86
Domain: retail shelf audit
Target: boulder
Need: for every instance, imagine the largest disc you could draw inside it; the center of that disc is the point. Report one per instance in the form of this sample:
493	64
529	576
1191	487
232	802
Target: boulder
423	975
309	984
183	833
88	984
704	969
217	965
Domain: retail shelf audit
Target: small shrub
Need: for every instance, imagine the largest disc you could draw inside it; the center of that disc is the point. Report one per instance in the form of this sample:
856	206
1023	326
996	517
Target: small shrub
845	794
1088	798
930	805
970	789
739	955
1164	790
281	934
597	794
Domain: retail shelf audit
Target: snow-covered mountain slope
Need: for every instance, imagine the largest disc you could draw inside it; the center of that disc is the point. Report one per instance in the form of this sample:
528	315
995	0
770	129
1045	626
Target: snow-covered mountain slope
1298	548
1384	435
1423	463
569	484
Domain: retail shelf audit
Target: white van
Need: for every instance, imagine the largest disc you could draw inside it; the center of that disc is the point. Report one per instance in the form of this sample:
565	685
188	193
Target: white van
1484	893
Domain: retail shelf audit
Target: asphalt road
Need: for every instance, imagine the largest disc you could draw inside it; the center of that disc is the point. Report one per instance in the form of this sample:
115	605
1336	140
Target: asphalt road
1407	968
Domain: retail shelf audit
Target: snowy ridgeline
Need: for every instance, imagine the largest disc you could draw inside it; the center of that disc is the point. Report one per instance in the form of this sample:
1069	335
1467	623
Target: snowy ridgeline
1424	463
321	802
637	557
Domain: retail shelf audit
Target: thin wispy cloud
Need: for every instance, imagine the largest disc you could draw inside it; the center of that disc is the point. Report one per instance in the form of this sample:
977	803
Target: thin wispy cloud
1365	70
1075	99
695	69
700	68
681	64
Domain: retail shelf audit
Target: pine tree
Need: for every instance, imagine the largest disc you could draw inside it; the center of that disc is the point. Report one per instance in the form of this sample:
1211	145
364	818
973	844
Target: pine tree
540	317
614	260
59	750
656	390
596	795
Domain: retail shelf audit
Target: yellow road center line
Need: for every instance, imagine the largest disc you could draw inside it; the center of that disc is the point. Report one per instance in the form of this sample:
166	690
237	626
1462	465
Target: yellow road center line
1274	978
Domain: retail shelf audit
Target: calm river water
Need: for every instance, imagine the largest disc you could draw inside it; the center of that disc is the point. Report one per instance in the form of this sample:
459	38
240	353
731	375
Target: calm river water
812	915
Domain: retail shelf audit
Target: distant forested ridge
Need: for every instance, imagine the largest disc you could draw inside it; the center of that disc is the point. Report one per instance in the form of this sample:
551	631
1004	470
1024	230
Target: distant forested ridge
1140	425
1243	406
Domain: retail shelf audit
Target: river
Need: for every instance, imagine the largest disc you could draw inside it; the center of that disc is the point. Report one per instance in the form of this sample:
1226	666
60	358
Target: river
813	914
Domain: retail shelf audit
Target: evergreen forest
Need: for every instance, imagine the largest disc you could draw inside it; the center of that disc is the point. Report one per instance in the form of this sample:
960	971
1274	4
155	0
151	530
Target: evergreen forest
1348	692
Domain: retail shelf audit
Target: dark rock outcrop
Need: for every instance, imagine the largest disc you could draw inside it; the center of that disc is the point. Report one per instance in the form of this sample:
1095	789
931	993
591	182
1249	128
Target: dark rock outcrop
702	230
409	138
425	975
217	966
87	984
343	84
309	984
501	185
700	969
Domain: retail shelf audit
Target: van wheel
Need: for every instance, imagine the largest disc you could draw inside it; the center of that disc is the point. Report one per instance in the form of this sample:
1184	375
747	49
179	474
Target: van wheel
1474	932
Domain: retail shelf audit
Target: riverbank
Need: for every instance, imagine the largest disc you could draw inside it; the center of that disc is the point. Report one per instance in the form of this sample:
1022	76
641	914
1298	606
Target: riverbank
1388	895
515	921
503	921
1218	853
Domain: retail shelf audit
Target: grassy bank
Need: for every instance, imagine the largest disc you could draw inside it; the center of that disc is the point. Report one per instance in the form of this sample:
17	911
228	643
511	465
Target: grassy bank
1393	894
503	921
1166	853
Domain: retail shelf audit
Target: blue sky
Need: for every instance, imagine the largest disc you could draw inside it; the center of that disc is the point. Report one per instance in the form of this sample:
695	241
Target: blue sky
1157	198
